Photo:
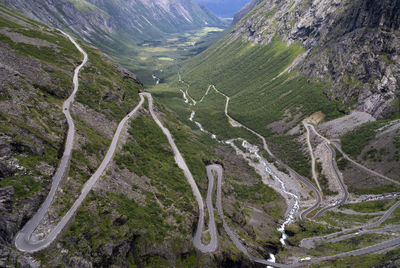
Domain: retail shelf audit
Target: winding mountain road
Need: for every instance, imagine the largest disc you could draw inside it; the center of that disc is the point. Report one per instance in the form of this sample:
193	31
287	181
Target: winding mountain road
305	181
351	160
23	239
180	161
310	148
309	126
218	170
26	243
330	238
312	241
234	123
236	241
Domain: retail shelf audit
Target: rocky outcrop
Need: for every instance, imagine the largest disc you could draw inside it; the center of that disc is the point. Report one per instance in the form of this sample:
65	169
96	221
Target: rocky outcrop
353	46
245	10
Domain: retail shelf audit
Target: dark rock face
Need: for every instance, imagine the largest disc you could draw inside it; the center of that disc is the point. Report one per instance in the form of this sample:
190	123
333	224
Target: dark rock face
384	14
8	164
7	228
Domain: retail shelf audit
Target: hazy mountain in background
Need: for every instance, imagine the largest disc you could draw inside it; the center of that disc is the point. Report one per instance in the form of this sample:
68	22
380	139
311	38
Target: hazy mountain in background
115	25
223	8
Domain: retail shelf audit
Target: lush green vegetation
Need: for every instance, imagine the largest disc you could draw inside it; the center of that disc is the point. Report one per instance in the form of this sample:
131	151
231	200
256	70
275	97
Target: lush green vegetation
341	162
249	74
24	183
85	7
258	193
355	141
348	244
364	261
371	206
340	219
148	154
105	89
375	190
211	114
246	73
147	222
290	151
303	229
47	54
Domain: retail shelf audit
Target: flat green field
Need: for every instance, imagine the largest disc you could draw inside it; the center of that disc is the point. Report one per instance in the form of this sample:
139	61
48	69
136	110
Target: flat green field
152	57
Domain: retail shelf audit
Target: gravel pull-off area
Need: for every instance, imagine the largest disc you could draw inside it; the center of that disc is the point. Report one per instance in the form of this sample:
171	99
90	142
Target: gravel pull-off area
345	124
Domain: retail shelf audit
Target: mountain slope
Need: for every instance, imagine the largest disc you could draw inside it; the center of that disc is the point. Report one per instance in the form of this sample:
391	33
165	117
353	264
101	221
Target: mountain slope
246	9
142	211
286	60
36	72
116	26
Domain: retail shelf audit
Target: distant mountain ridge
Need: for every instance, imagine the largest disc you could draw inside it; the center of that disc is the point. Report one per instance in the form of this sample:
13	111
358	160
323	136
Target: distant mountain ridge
114	25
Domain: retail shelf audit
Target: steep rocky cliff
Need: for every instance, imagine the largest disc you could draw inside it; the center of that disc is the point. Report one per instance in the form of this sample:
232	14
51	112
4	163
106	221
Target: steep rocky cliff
353	45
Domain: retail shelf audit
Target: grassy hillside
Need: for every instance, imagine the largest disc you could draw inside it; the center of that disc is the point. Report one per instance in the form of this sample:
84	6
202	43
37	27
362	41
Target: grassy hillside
249	73
263	96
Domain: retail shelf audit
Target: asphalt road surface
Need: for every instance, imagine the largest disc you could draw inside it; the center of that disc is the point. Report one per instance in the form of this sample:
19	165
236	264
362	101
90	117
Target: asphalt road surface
180	161
23	240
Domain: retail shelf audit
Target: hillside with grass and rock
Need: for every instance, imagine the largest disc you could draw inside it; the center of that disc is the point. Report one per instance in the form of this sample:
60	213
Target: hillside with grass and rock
272	143
141	212
289	59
